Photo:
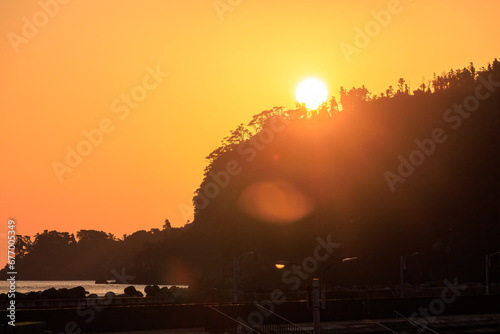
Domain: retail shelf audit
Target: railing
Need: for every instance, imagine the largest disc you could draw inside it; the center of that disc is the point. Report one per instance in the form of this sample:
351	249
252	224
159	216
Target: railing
277	325
286	327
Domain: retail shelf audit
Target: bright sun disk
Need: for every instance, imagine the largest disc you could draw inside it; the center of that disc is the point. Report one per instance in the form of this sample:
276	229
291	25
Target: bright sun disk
312	92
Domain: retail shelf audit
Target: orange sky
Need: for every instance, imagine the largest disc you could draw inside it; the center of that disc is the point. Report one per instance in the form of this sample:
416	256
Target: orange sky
71	72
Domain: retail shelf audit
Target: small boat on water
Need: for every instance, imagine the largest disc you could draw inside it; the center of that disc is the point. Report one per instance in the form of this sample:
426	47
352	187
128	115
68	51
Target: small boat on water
105	281
101	281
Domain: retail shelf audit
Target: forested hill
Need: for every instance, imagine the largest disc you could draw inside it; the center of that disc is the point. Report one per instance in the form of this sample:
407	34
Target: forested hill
387	175
384	175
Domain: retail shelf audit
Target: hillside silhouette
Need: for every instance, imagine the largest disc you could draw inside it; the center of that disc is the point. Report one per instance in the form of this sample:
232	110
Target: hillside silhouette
383	175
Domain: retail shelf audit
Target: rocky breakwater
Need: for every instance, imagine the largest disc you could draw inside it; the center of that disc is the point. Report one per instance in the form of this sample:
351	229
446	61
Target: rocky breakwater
78	297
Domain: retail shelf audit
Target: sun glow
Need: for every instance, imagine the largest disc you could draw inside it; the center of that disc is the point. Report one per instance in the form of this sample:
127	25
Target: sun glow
312	92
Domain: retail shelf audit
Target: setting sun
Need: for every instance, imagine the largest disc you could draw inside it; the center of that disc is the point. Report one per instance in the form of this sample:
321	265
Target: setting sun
312	92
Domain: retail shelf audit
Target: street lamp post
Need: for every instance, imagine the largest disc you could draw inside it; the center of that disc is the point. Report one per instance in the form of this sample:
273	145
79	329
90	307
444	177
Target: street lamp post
402	268
487	266
347	259
323	287
236	271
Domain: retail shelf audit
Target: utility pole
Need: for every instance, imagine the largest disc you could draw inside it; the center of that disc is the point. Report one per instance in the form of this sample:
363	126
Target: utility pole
402	275
487	270
316	306
402	268
487	266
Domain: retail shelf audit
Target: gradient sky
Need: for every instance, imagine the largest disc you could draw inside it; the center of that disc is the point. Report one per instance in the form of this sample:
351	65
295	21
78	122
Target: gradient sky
70	73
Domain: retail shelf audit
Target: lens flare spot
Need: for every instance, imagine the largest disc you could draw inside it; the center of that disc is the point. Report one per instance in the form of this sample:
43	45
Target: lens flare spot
178	272
275	202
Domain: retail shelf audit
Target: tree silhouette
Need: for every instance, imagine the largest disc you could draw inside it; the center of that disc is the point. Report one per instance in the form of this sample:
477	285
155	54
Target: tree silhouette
167	225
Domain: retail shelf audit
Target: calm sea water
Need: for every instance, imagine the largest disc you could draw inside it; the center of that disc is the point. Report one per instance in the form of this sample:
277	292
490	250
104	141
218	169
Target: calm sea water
90	286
